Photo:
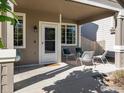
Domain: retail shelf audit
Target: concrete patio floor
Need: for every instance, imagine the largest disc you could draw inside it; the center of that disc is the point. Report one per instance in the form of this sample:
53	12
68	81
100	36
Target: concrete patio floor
60	78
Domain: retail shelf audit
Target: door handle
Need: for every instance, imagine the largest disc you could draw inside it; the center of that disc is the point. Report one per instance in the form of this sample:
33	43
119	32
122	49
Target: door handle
42	43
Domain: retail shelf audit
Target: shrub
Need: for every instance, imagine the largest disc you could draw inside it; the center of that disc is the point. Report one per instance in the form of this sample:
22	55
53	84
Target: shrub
118	77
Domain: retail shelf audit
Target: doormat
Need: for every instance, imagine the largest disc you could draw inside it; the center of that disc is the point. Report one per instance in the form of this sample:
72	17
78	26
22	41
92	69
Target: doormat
50	65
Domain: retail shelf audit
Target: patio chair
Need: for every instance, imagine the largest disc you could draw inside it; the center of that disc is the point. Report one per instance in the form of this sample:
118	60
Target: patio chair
102	57
67	53
79	51
87	58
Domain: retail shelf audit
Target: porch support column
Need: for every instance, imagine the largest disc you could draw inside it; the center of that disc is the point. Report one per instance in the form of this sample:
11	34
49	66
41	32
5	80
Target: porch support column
59	39
119	41
7	32
79	35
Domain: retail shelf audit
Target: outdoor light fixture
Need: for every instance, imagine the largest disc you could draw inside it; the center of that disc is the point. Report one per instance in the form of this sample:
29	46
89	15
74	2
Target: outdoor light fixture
35	28
112	30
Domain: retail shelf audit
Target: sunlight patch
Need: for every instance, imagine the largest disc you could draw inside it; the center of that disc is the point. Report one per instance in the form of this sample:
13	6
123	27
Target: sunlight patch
53	65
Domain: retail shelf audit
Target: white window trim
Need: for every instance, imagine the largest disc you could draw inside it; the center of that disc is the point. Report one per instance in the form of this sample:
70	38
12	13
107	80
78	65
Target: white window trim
75	35
24	30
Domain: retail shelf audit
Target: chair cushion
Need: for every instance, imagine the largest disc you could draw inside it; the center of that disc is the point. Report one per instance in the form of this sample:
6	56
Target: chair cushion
79	51
66	51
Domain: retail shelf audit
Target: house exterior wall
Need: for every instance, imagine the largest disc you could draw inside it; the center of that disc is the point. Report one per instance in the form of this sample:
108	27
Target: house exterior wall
98	34
30	54
104	32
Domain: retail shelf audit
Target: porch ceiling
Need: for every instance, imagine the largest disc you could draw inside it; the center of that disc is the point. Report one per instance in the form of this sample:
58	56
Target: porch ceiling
70	10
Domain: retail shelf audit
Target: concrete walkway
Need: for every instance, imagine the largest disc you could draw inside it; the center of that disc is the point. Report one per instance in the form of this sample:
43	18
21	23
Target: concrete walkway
61	78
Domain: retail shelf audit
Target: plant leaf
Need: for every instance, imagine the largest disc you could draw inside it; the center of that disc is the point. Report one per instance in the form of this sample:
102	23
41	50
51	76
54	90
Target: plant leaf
13	1
1	44
4	8
7	18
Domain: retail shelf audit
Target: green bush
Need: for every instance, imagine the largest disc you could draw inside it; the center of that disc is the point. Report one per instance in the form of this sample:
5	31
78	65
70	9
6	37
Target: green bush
1	44
118	77
118	74
4	8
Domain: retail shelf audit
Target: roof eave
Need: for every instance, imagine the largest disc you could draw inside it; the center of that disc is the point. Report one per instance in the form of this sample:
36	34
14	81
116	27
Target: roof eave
97	5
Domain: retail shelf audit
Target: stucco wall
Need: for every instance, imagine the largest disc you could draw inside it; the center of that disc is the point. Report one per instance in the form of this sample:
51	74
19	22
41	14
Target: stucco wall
30	55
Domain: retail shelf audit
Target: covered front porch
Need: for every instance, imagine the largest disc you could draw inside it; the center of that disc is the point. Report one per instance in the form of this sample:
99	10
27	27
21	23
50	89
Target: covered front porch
42	15
45	16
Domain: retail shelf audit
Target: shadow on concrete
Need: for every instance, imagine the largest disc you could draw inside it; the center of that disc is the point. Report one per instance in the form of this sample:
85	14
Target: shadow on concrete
18	70
40	77
80	82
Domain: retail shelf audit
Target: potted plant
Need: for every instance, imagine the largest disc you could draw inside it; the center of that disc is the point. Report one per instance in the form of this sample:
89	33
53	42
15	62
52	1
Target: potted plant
6	8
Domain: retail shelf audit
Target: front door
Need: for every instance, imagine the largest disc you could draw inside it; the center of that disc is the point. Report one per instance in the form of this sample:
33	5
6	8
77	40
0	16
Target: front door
48	43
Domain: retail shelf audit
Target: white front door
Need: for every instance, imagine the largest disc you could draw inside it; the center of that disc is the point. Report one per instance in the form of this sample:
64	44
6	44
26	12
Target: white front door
48	43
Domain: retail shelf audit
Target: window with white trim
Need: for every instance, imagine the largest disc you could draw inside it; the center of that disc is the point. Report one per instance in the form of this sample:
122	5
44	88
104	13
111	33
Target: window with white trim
19	31
69	34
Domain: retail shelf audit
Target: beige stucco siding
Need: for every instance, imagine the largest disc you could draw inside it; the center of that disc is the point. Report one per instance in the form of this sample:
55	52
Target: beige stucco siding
30	55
